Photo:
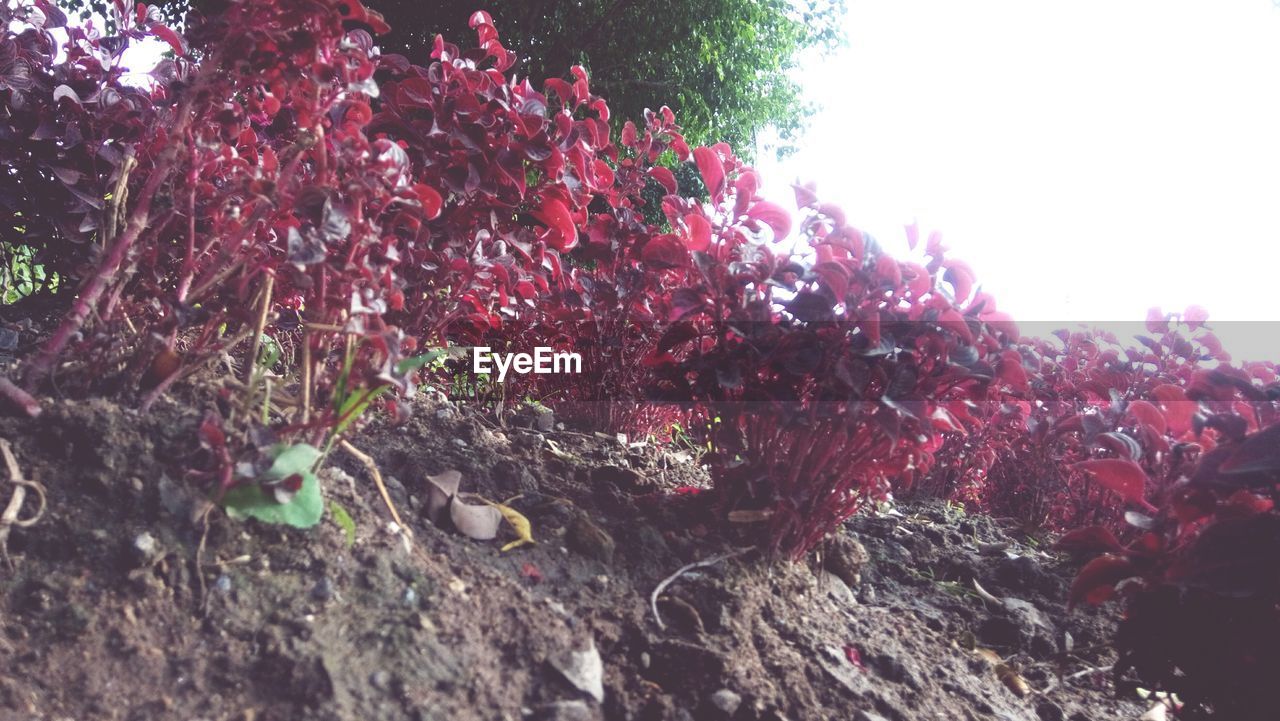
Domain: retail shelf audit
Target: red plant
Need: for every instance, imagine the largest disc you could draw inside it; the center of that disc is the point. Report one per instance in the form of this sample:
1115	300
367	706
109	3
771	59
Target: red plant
1201	581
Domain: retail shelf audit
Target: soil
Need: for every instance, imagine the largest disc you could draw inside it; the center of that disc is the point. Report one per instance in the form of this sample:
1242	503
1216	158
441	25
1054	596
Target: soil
129	599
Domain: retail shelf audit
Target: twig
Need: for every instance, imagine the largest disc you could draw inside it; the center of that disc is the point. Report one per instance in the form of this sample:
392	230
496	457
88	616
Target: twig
204	538
9	518
653	598
372	467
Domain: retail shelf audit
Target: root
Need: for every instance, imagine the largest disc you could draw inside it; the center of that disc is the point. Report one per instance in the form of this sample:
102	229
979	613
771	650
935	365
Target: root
653	598
9	518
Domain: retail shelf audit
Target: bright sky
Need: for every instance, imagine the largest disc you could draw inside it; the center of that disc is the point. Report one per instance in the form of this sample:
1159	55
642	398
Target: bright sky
1089	158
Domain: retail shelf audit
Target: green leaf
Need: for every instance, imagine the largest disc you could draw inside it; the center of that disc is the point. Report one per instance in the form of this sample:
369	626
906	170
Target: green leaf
412	364
303	510
344	521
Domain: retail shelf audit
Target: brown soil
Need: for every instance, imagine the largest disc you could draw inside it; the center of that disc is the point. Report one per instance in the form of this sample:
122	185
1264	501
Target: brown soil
106	614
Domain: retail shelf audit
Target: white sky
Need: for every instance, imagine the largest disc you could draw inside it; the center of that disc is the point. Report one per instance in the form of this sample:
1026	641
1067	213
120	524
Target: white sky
1089	158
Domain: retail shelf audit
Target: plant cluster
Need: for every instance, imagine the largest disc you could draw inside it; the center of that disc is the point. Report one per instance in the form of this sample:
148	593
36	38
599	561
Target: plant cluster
281	193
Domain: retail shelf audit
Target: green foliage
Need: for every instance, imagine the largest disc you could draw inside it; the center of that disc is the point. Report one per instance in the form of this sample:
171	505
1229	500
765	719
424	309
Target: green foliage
21	275
343	521
288	493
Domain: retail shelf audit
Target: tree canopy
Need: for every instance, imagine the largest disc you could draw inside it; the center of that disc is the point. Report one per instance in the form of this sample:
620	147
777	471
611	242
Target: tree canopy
726	67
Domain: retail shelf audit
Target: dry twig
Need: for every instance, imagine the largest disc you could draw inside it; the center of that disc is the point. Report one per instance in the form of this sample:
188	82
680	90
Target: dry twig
372	467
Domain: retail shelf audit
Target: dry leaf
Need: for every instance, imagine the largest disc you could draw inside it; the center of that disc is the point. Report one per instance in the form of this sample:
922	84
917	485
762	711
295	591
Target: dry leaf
1013	680
479	522
520	524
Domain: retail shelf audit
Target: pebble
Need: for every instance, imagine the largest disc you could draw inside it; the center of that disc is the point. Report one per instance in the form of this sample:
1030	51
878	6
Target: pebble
324	589
868	716
410	597
727	701
380	679
223	584
459	442
145	547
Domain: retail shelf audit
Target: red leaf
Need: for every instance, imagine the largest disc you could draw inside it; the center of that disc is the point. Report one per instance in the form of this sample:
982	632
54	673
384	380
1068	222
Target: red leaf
1195	316
960	276
430	199
1147	413
1120	444
1097	581
772	215
665	251
1157	322
531	572
712	170
1010	370
1092	539
1259	453
951	320
557	216
664	177
1126	478
699	232
1178	409
166	33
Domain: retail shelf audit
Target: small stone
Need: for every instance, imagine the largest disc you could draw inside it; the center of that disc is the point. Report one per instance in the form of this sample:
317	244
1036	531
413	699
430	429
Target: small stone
410	597
586	538
380	679
222	584
845	556
600	583
836	588
1049	711
868	716
422	622
727	701
324	589
583	668
458	442
145	548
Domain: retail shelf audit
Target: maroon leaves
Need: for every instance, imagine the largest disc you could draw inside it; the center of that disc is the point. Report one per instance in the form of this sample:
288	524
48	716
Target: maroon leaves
556	215
1097	581
1089	541
1260	453
1122	476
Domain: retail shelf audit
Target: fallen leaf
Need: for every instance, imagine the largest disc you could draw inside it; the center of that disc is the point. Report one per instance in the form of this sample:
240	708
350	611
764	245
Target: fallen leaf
1013	680
524	532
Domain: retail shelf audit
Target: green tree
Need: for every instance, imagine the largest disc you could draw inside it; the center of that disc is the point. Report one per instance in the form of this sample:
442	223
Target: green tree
726	67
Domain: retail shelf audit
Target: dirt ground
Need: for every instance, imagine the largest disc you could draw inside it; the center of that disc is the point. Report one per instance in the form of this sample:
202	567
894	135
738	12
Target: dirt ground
113	608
